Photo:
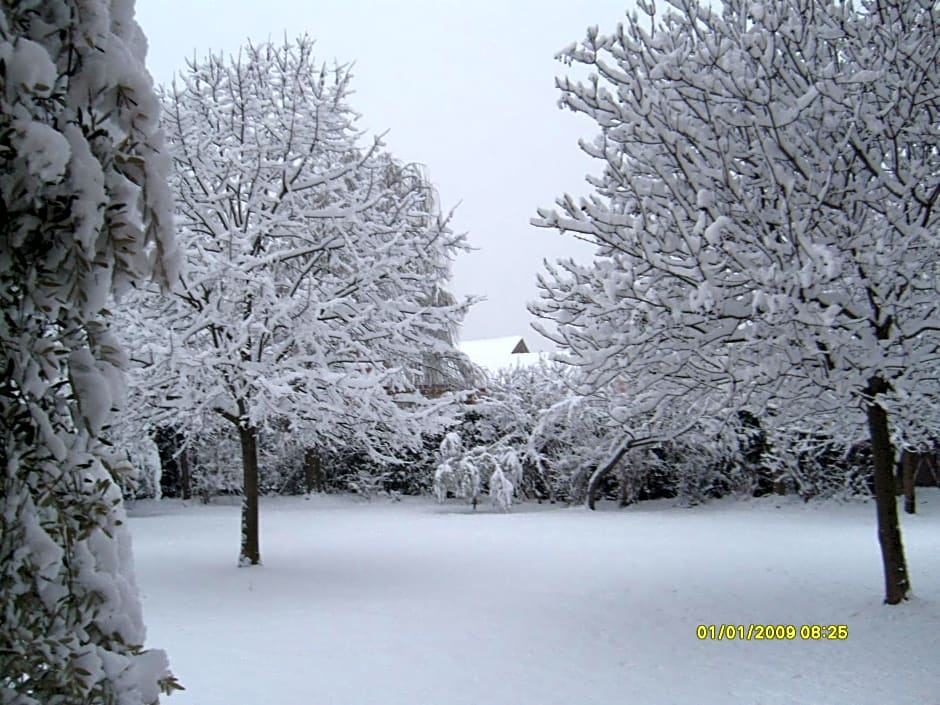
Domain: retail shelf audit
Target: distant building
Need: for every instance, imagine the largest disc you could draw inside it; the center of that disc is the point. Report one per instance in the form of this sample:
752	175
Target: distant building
494	354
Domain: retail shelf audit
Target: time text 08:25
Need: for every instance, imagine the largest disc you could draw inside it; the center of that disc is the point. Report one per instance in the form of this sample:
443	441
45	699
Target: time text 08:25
774	632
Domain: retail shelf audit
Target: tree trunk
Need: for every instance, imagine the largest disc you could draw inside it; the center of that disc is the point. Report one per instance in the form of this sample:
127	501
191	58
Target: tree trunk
897	584
168	441
909	463
594	484
250	549
313	474
628	490
185	477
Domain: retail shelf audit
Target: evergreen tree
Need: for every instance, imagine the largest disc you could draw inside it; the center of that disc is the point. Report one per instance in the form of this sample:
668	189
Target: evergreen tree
84	211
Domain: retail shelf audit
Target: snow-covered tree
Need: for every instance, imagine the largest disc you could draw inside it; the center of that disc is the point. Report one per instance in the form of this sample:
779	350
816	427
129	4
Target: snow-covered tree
85	211
507	413
515	442
447	474
465	473
316	265
766	222
505	478
531	412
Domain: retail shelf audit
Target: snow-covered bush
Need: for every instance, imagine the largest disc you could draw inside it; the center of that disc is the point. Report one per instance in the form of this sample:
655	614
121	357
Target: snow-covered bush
806	463
560	438
447	475
86	212
143	457
568	441
466	472
505	478
503	422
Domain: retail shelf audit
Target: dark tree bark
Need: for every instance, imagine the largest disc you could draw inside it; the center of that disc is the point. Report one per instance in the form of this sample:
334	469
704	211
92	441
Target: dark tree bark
168	441
626	492
250	547
897	585
602	471
185	477
313	473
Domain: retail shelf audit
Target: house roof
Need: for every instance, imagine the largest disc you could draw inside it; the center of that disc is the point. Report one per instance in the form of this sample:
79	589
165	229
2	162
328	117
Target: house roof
493	354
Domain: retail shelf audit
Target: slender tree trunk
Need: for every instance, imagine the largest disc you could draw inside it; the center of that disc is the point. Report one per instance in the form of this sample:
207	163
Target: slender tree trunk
313	476
250	549
897	584
594	484
168	440
185	477
627	490
909	462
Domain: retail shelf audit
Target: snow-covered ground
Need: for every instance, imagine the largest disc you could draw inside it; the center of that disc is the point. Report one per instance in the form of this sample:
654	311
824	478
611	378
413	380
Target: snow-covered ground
411	603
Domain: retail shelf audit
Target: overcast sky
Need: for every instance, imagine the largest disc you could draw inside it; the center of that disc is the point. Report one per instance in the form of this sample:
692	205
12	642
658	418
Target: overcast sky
465	88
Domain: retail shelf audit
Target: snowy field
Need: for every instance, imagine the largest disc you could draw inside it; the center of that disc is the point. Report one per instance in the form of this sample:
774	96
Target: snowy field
411	603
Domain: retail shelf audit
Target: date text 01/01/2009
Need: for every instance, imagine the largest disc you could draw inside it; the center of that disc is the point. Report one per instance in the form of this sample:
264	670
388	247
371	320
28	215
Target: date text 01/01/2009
772	632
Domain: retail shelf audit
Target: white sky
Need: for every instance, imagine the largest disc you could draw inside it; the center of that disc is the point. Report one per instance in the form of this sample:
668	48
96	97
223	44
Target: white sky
466	88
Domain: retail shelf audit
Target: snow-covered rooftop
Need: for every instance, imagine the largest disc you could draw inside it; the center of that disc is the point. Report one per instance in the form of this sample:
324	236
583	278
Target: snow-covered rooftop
494	354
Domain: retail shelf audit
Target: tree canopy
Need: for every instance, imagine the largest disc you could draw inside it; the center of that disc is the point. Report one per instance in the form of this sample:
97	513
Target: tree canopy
765	220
